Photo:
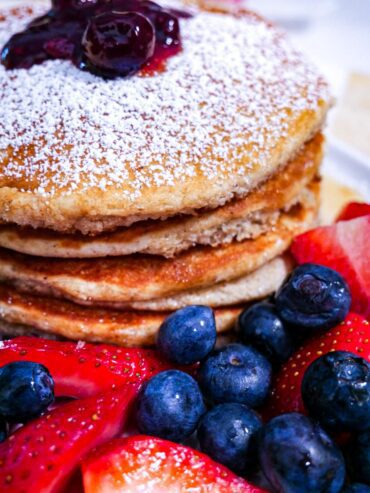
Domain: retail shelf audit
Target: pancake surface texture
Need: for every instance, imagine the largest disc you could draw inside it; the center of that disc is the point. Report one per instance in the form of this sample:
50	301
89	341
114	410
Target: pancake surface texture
228	112
254	286
239	219
23	314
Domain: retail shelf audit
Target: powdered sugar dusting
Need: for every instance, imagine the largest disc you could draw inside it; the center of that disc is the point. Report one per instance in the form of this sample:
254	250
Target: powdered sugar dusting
234	77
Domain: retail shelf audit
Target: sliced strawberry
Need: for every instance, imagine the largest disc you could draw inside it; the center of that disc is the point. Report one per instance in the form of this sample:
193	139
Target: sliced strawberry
345	247
81	370
353	210
352	335
75	484
147	464
41	456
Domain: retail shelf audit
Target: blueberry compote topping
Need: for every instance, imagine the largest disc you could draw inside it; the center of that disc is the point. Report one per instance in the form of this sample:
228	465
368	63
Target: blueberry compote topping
117	43
110	38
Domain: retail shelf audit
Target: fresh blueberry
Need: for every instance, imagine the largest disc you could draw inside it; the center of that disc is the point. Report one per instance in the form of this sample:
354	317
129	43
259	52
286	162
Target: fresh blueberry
314	298
261	327
188	335
117	43
356	488
3	431
26	390
236	373
170	406
227	433
336	391
359	457
297	456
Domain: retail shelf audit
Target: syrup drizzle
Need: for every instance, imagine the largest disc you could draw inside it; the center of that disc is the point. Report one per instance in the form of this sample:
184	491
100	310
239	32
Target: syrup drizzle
58	35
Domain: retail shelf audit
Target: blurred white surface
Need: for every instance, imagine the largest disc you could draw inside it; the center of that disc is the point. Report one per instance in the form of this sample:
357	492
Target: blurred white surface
292	11
334	33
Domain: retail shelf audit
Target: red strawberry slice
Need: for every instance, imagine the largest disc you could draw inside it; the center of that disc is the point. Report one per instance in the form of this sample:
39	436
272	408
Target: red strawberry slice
147	464
353	210
81	370
345	247
352	335
41	456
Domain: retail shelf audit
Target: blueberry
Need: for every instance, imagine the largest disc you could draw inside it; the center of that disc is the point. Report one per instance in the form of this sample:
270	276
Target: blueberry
359	457
227	433
356	488
26	390
236	373
336	391
314	298
261	326
117	43
296	455
170	406
188	335
3	431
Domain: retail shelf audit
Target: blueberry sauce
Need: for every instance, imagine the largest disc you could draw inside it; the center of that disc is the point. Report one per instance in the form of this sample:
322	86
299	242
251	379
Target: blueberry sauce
109	38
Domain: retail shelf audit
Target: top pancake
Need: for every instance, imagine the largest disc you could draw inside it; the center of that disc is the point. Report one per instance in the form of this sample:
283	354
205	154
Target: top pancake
81	153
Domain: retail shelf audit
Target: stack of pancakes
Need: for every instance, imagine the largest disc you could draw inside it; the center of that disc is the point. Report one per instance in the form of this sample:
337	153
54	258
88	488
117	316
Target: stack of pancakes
123	200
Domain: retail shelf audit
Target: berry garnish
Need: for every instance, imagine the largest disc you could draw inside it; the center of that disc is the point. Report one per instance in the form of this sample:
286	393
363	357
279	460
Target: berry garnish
83	369
166	25
336	391
345	247
357	488
228	433
170	406
236	373
314	298
359	457
20	53
41	456
353	335
110	38
188	335
147	464
296	455
261	327
117	43
354	210
26	391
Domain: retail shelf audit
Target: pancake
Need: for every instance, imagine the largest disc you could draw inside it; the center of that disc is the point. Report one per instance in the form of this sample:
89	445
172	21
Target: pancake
254	286
22	314
240	219
227	112
141	278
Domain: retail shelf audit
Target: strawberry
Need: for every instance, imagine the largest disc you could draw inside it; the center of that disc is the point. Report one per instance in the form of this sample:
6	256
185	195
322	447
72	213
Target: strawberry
352	335
141	463
345	247
81	370
353	210
41	456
